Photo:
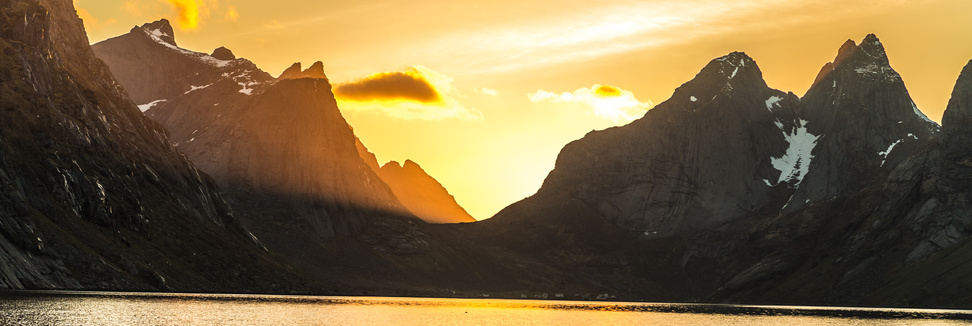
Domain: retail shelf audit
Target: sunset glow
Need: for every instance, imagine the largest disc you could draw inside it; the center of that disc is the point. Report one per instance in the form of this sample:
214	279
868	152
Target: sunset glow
483	95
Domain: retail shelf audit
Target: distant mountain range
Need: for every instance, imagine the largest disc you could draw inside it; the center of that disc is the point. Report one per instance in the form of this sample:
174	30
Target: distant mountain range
730	191
242	126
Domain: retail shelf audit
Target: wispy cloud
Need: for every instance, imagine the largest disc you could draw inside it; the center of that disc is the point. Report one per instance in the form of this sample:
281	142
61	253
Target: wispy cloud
615	28
604	101
415	93
487	91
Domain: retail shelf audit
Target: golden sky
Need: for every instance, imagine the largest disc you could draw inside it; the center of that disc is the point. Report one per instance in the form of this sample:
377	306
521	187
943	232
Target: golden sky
486	93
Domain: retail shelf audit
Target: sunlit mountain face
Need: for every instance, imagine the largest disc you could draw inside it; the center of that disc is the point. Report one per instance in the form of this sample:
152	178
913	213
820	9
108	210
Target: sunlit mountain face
484	96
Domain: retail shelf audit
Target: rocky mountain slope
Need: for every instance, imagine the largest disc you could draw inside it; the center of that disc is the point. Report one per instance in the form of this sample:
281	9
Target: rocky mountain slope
280	149
730	191
92	195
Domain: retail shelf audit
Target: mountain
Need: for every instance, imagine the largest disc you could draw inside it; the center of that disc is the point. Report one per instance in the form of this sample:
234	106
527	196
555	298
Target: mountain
867	120
421	194
723	147
279	149
418	191
733	192
904	239
92	195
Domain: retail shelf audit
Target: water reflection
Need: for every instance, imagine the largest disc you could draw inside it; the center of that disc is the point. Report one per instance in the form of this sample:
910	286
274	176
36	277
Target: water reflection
198	309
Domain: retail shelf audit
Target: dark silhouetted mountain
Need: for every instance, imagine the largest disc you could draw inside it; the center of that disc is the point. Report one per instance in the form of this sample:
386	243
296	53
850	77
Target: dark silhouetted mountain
222	53
866	119
723	147
871	209
92	195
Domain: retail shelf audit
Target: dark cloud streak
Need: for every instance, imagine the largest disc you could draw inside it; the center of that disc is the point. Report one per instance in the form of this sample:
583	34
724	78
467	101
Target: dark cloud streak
408	86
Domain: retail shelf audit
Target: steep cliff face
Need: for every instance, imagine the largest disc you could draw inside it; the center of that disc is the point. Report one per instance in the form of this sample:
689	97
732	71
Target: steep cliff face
92	195
904	239
867	122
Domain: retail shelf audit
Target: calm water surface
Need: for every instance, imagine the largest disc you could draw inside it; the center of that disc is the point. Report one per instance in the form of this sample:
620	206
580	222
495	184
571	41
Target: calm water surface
87	308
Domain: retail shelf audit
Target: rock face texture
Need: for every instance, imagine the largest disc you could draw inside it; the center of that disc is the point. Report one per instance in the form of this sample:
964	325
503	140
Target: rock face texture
724	146
732	192
867	120
92	195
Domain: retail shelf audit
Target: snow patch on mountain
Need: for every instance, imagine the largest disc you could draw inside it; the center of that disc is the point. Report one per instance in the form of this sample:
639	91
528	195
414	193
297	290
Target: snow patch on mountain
921	115
795	162
772	102
157	34
884	154
147	106
879	70
195	88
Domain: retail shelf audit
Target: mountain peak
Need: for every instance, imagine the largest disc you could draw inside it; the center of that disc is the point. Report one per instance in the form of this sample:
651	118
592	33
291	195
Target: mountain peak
731	65
316	70
872	46
222	53
291	73
867	59
958	113
161	29
392	164
846	50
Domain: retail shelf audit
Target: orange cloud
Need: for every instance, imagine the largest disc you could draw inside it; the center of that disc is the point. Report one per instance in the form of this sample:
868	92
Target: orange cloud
409	85
416	93
606	101
607	91
188	13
